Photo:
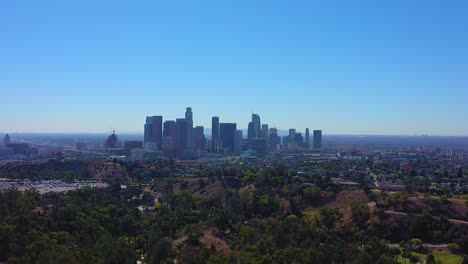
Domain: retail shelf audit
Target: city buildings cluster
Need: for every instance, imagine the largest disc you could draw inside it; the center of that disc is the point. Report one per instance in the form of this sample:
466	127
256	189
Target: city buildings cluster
181	139
14	148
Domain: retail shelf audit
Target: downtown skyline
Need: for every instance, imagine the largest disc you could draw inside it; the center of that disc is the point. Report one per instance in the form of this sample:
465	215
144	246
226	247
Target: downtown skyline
360	68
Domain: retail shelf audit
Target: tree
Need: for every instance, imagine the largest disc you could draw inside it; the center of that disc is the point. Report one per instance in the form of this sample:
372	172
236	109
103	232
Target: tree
416	243
430	259
68	176
312	193
161	251
385	260
360	213
329	217
414	259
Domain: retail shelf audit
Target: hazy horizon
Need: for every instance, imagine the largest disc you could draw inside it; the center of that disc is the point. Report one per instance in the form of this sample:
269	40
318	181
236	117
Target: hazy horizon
349	68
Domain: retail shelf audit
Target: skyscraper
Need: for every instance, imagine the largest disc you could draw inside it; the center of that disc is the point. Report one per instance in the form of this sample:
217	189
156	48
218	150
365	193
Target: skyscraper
189	119
181	133
153	130
169	139
238	143
227	133
199	137
257	125
307	138
265	134
275	140
251	131
317	139
169	134
299	140
292	138
148	136
214	127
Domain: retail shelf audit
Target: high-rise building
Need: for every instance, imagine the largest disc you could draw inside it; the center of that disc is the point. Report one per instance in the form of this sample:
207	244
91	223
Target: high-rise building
299	140
317	139
227	133
265	134
148	136
275	140
189	119
256	125
238	143
199	137
6	140
250	131
153	131
214	127
181	133
169	134
307	138
292	138
170	139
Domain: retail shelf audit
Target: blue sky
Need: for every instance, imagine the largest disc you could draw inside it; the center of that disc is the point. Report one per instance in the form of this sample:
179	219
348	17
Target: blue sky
347	67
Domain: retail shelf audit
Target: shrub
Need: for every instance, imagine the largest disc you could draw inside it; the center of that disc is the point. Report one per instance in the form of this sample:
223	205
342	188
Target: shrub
453	247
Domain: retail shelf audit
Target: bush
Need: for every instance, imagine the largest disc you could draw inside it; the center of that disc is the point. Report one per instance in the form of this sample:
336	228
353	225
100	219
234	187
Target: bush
453	247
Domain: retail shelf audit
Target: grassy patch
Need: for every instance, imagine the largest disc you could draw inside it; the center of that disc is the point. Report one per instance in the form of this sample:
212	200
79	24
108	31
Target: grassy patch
444	257
447	258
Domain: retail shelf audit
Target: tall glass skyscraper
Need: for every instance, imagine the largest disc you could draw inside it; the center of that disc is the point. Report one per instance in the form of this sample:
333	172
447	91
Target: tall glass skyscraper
257	125
214	127
227	133
317	139
153	130
189	120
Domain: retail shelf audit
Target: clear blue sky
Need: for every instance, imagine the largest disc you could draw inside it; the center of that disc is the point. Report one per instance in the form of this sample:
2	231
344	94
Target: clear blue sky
347	67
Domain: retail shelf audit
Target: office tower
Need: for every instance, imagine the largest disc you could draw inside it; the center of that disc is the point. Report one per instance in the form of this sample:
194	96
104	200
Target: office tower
189	119
148	136
307	138
6	140
256	125
292	134
317	139
153	131
250	131
169	139
275	140
285	141
265	134
227	134
169	133
298	139
214	127
199	137
181	133
292	138
238	143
